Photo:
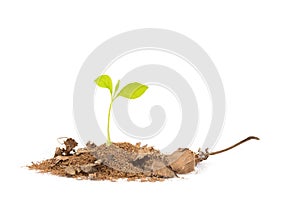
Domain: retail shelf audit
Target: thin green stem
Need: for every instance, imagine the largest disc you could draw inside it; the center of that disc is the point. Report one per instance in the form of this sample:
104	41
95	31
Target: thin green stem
108	142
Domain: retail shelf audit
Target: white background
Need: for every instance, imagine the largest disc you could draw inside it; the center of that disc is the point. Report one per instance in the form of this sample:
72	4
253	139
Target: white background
255	46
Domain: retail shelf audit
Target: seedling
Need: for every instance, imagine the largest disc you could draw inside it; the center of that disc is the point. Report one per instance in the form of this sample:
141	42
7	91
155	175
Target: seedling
131	91
122	160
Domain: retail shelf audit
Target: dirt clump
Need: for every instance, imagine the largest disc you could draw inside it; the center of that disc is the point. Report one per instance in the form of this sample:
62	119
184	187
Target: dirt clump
70	144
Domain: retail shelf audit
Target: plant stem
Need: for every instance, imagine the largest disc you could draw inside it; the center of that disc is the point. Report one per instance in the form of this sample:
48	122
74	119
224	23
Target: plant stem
241	142
108	141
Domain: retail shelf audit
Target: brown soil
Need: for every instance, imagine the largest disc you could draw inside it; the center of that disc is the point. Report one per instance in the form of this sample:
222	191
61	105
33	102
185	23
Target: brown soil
121	160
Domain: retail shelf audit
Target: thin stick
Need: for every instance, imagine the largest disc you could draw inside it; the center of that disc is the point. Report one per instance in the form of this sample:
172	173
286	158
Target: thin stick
237	144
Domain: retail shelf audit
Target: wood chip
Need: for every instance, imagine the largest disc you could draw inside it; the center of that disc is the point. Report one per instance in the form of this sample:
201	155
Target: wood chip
161	170
70	171
182	161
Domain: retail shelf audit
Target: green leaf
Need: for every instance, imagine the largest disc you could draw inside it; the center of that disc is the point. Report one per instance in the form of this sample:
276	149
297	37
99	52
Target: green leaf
133	90
117	87
104	81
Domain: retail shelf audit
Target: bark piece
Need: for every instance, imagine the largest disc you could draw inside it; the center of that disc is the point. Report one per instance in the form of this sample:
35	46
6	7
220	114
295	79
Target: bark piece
58	152
81	151
70	144
161	170
89	168
182	161
70	171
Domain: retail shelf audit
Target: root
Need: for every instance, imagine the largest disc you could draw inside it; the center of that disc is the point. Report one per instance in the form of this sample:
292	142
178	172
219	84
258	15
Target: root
233	146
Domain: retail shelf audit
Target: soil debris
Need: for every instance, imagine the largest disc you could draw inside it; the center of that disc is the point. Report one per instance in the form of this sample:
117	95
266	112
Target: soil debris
121	161
70	144
70	171
118	160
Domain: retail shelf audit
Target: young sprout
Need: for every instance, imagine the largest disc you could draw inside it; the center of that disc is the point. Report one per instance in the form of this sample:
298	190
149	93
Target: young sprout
130	91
